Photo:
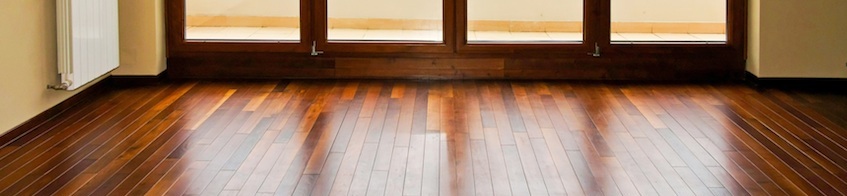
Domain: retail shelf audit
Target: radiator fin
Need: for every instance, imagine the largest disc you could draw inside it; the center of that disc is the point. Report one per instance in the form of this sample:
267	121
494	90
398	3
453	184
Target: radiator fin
87	34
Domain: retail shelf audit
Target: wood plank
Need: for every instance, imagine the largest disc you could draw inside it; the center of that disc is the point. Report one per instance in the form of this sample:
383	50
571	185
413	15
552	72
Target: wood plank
74	147
397	172
349	163
388	136
517	176
481	169
499	173
534	177
502	119
431	164
364	170
377	137
414	168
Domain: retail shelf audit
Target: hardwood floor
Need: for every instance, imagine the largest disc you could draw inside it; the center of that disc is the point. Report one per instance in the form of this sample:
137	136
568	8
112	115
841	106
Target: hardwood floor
361	137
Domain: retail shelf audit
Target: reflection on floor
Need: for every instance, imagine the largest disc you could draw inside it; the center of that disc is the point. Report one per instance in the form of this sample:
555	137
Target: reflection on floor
279	33
384	137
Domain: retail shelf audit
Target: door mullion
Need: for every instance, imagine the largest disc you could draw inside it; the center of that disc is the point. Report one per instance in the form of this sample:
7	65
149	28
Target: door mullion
319	25
597	23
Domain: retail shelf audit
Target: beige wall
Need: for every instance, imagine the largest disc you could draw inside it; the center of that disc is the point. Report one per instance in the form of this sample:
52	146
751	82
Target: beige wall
798	39
142	37
753	39
28	60
28	53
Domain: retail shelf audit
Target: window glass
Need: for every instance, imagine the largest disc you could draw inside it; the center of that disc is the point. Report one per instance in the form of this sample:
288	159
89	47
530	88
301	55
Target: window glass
525	21
668	20
385	20
242	20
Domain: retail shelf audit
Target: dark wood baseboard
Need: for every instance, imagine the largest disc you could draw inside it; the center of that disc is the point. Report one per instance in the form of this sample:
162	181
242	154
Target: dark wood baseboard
634	67
797	83
138	80
47	115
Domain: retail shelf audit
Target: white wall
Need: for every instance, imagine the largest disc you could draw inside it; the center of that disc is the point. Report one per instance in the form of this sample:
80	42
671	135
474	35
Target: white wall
799	39
508	10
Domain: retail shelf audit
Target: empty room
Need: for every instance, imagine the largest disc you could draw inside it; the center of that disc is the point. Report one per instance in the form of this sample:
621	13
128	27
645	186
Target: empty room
423	97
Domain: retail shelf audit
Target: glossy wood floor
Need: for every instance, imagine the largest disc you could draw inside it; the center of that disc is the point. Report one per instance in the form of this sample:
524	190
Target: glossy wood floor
353	137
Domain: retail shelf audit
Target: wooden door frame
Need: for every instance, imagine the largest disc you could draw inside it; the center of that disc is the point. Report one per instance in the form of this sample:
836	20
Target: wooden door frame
397	47
526	48
674	61
175	34
736	32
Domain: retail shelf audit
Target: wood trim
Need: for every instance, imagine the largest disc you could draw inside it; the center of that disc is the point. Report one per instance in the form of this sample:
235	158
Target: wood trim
734	48
830	84
321	27
596	34
175	33
116	80
647	61
598	14
714	65
569	48
737	27
77	99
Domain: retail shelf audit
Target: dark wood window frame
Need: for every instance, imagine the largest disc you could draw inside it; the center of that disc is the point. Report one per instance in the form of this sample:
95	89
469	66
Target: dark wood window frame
448	13
671	60
175	33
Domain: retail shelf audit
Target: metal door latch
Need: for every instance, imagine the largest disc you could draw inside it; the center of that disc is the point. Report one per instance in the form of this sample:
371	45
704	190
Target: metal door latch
596	52
315	52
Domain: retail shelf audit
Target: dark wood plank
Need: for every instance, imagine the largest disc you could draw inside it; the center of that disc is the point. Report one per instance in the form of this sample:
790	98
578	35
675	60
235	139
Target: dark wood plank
74	147
43	121
434	137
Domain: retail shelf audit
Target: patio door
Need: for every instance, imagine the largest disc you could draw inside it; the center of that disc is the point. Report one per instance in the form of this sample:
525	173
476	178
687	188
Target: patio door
615	38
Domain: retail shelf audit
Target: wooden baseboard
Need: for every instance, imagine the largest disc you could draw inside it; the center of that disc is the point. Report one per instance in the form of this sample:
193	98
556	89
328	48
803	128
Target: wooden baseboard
473	25
274	66
138	80
47	115
839	84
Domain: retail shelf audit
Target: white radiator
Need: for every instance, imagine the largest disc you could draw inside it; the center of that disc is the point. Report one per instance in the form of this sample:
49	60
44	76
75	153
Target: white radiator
87	32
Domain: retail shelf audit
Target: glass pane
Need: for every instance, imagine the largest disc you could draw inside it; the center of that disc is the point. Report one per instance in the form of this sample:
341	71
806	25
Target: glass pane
522	21
385	20
668	20
242	20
